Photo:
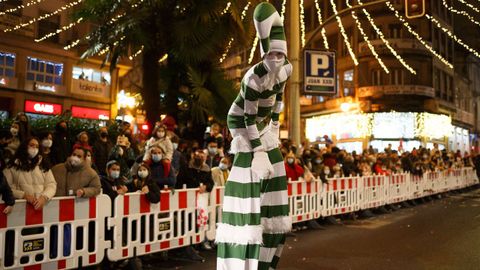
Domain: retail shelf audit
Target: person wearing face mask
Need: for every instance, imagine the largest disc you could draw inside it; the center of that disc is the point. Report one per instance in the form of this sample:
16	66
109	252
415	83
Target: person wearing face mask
14	141
75	177
26	177
101	150
293	169
220	173
112	184
253	121
197	174
125	156
157	168
143	183
317	165
83	141
213	154
159	137
61	147
214	135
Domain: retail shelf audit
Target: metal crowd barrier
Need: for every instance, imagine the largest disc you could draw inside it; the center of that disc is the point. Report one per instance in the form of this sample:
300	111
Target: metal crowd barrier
70	233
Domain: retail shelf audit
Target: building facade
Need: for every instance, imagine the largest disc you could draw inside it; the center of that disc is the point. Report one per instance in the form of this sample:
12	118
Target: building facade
399	108
42	78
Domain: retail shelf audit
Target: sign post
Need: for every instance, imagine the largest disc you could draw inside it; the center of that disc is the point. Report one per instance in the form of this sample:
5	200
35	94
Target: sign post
320	73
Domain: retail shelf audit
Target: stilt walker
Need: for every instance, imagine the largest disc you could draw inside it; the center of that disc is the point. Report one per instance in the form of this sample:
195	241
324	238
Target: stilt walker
255	214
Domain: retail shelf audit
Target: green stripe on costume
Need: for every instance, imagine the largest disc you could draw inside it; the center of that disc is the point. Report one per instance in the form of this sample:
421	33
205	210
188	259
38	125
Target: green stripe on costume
277	33
225	250
274	184
263	11
274	210
238	219
243	160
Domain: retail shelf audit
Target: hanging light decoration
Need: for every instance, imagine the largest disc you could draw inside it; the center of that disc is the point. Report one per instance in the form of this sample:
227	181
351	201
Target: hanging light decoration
460	12
320	21
344	34
58	31
22	6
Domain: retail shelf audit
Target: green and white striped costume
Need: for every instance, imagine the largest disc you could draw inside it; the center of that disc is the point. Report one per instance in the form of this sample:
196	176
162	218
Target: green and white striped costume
255	214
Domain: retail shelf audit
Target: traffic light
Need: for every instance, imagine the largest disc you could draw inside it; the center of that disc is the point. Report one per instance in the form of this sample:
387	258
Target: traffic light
414	8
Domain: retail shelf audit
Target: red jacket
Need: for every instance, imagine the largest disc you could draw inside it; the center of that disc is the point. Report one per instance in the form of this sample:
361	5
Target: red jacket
293	171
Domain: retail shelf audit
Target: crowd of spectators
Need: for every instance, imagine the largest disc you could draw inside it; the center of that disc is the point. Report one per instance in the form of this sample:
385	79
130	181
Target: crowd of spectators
40	165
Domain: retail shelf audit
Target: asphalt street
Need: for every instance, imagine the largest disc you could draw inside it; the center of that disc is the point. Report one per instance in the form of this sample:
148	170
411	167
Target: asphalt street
441	233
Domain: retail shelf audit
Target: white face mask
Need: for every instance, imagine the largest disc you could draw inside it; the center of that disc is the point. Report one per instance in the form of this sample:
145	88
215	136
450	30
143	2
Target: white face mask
75	161
143	174
156	157
47	143
115	174
223	166
212	150
290	160
273	64
14	131
89	158
175	146
161	134
32	152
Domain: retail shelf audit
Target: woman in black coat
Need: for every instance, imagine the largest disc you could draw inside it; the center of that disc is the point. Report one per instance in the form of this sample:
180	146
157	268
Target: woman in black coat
143	182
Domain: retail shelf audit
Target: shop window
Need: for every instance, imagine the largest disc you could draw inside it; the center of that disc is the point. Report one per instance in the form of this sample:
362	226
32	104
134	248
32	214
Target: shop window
44	71
92	75
49	25
7	64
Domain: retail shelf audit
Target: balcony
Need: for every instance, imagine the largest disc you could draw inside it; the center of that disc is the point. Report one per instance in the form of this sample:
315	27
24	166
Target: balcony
9	21
396	43
381	90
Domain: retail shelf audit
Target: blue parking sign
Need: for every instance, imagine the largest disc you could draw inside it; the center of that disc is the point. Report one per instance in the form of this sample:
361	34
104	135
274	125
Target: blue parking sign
319	72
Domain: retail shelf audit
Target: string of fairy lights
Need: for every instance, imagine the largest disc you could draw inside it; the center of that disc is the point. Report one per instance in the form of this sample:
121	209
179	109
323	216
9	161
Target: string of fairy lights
452	35
385	41
302	23
230	42
417	36
470	6
58	31
344	34
365	38
44	16
22	6
323	32
460	12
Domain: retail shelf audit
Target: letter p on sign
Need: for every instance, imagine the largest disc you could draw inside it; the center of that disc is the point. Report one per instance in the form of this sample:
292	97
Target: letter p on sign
319	61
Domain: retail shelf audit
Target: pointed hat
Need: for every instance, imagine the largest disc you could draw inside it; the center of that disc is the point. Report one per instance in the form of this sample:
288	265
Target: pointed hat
270	31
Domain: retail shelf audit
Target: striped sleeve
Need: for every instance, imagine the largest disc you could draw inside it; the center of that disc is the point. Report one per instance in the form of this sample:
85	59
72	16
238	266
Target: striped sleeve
250	108
277	107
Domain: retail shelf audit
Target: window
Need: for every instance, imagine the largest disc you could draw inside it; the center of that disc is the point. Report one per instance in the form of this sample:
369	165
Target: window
7	64
396	77
48	25
92	75
395	31
376	77
374	35
44	71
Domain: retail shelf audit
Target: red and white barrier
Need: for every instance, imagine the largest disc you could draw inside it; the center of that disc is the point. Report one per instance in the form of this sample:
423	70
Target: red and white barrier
398	188
215	211
67	233
342	196
140	227
374	191
304	199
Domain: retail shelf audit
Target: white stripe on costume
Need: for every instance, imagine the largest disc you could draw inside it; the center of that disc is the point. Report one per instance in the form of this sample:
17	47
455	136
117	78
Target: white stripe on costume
274	198
240	205
241	235
236	264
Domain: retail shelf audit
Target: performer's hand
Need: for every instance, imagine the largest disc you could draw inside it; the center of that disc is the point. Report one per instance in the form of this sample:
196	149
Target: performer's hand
261	165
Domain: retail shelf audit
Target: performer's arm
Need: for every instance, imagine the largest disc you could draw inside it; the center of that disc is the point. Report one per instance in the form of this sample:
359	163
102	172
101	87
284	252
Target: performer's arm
251	95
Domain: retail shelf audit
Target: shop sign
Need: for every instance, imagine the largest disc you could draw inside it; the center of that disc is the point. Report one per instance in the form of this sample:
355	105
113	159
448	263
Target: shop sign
90	113
42	107
85	87
319	73
45	87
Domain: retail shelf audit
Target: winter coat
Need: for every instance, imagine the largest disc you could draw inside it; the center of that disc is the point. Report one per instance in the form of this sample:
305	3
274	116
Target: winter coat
101	150
153	195
193	176
157	175
61	146
74	178
110	186
164	143
6	191
31	182
126	160
218	176
293	171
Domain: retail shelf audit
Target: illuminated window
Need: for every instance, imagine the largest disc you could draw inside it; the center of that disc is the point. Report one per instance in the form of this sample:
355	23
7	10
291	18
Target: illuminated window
89	74
7	64
40	70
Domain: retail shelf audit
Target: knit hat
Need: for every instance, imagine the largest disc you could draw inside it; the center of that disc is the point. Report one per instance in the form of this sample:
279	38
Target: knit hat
270	31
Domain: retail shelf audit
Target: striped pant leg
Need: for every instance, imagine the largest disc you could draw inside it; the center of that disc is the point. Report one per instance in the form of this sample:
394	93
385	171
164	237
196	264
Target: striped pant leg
239	235
274	213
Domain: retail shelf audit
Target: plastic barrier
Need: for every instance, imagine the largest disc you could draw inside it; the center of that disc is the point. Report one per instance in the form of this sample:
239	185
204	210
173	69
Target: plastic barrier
398	188
70	233
342	196
140	227
374	191
304	199
66	233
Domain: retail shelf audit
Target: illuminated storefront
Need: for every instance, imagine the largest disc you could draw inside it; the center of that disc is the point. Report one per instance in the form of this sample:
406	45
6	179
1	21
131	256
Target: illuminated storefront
37	109
356	131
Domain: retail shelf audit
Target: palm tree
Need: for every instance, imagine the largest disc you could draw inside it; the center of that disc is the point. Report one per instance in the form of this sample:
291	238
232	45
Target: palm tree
192	33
